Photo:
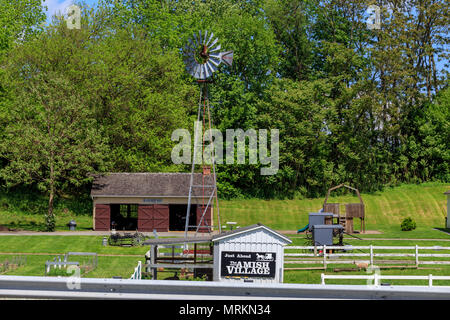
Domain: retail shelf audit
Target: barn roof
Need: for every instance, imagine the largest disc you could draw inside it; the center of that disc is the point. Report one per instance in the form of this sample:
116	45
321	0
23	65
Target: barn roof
148	185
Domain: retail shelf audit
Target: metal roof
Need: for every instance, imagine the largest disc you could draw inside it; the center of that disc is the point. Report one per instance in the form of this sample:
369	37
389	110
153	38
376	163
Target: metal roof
328	226
326	214
237	231
213	238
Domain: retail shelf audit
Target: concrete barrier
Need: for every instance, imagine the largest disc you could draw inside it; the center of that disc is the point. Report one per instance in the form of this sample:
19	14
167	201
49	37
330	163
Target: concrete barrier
92	288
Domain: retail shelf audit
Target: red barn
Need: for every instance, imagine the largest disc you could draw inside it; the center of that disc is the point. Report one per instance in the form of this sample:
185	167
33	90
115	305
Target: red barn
150	201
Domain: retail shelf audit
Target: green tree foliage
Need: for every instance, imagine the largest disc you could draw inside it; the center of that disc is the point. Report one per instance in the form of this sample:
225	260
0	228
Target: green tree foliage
20	21
88	100
52	138
369	107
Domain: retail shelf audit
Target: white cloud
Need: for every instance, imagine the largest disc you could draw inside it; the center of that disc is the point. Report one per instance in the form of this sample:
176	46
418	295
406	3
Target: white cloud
57	7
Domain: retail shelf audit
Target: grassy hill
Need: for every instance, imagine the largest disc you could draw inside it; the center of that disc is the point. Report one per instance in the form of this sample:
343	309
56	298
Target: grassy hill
425	203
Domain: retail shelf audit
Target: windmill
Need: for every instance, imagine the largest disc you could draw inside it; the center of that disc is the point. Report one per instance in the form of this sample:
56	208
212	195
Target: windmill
202	57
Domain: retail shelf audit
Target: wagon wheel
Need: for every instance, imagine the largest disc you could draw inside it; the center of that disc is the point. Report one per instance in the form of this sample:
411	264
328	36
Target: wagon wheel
141	237
113	240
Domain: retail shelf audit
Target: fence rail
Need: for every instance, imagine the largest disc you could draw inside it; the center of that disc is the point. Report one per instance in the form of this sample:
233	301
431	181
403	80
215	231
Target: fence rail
377	277
137	274
62	262
321	255
92	288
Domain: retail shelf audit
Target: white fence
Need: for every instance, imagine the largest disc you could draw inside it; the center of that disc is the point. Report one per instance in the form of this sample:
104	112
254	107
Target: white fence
59	262
322	255
377	277
137	274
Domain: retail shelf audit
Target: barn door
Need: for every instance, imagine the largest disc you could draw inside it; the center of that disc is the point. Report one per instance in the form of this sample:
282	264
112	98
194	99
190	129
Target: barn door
206	222
102	217
145	218
161	217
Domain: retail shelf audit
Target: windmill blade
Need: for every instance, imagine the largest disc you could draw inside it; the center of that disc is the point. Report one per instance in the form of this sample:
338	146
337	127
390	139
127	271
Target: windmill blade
215	49
195	40
227	57
216	56
208	70
196	71
211	67
187	49
190	66
191	43
203	72
203	39
213	43
209	40
215	60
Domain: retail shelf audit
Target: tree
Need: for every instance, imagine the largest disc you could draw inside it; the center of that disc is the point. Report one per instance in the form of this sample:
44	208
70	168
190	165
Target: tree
20	21
52	138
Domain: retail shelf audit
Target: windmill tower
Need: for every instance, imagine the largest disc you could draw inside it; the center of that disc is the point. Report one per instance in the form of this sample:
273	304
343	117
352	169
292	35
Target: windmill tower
202	57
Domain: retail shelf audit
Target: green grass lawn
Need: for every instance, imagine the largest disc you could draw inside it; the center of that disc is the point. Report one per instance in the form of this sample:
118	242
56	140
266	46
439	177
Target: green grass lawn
425	203
121	261
385	210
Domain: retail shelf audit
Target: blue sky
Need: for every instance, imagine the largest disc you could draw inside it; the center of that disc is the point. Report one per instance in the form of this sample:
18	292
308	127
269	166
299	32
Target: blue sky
55	6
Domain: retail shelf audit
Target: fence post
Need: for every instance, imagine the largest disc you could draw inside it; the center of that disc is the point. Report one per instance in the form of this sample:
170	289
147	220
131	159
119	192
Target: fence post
371	255
430	280
324	257
417	256
376	280
322	278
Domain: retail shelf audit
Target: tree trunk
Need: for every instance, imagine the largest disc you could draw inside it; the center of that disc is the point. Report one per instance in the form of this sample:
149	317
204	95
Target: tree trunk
50	219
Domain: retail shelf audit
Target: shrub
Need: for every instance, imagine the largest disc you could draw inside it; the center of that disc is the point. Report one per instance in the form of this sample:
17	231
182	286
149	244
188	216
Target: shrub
408	224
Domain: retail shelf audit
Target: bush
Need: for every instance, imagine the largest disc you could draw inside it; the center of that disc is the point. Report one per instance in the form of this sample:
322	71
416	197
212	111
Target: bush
408	224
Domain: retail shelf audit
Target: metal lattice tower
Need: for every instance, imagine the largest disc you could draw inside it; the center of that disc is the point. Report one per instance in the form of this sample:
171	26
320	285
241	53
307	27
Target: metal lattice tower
202	57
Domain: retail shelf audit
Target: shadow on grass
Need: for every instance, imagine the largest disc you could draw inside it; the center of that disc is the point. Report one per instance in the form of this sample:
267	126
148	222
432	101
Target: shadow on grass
36	227
446	230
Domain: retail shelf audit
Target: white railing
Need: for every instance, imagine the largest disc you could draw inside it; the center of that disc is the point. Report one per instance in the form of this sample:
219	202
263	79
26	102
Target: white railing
92	288
377	277
325	257
137	275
